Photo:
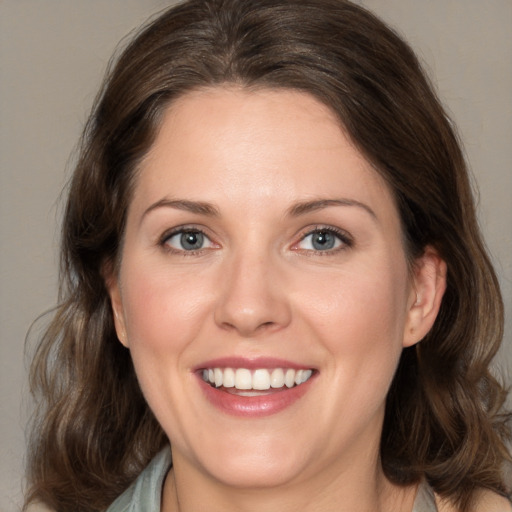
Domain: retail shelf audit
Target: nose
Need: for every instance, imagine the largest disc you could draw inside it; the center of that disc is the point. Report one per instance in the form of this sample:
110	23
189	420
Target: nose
252	297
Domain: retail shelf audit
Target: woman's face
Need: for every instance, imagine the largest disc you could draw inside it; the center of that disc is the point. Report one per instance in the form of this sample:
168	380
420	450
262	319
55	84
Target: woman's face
261	249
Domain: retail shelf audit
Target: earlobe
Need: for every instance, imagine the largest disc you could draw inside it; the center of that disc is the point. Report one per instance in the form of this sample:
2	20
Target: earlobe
114	291
428	287
120	326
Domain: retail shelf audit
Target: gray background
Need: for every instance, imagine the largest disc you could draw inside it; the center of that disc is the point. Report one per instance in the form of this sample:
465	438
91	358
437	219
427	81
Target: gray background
52	56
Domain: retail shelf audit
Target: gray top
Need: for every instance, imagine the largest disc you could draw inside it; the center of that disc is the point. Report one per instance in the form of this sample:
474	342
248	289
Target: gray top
144	495
425	500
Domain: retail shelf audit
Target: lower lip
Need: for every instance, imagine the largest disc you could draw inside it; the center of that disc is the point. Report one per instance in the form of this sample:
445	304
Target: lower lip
254	406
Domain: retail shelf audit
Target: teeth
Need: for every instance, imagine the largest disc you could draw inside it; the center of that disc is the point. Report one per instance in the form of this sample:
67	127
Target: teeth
277	378
306	375
217	375
259	380
243	379
228	379
289	378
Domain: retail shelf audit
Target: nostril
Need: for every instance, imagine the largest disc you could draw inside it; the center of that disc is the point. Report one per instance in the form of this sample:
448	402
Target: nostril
248	329
251	309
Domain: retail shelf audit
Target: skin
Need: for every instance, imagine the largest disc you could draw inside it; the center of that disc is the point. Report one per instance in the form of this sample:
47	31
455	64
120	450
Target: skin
259	288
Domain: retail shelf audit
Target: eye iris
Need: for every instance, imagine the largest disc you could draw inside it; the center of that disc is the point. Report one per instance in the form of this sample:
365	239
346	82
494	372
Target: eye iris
192	240
323	240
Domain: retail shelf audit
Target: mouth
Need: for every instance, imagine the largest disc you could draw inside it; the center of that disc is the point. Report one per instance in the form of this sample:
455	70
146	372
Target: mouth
246	382
254	388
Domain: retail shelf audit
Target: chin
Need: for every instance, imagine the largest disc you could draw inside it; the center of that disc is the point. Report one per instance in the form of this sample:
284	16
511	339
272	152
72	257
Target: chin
262	465
255	474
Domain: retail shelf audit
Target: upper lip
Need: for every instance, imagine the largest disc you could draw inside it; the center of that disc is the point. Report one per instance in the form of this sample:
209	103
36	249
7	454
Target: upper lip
251	363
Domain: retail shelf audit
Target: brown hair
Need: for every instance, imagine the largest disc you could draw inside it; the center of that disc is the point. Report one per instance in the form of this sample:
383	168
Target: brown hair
444	420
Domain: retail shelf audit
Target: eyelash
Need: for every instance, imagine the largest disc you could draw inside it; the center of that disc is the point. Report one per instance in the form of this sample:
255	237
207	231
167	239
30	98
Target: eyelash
342	236
164	239
346	241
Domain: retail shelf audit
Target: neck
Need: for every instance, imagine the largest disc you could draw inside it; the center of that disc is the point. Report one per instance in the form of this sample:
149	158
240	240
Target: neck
362	487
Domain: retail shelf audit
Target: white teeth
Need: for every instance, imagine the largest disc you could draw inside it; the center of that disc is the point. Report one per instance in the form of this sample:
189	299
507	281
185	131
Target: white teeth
277	378
243	379
258	380
289	378
217	373
261	380
229	378
306	375
302	376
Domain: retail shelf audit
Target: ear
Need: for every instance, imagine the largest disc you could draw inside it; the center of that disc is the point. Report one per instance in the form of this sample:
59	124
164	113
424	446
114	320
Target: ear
428	287
114	291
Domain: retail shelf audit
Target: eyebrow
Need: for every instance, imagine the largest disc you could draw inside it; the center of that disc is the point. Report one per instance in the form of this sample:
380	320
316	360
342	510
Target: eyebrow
198	207
302	208
319	204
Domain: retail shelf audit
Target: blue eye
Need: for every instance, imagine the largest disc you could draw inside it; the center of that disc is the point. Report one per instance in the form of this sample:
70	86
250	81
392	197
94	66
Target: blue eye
323	240
188	240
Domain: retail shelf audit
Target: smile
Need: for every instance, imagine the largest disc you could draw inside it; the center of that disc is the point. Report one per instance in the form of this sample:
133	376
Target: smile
253	388
260	379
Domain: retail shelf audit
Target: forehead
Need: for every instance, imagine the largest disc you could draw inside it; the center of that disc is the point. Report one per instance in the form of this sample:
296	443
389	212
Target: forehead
228	143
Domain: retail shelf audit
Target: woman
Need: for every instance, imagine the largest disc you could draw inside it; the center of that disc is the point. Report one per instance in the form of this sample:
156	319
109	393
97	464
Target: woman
271	263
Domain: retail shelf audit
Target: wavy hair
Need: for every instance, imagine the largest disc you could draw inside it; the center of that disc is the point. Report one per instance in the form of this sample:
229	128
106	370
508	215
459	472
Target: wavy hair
93	432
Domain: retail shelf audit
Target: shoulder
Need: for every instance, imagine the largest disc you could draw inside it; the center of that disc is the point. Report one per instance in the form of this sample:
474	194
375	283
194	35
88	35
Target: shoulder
144	494
486	501
38	507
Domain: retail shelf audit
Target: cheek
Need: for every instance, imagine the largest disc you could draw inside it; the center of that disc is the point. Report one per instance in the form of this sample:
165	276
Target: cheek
162	311
359	313
164	314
